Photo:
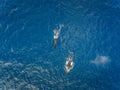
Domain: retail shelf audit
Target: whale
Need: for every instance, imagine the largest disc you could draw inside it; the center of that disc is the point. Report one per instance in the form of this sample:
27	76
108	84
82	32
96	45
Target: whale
69	63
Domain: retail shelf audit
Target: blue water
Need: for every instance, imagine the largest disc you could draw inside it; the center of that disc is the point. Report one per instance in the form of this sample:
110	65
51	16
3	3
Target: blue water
91	29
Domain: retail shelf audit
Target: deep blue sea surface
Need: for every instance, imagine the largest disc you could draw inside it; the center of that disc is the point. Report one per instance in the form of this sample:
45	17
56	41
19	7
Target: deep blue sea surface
91	31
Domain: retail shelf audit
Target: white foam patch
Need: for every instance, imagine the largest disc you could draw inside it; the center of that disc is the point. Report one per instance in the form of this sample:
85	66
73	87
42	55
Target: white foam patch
101	60
7	64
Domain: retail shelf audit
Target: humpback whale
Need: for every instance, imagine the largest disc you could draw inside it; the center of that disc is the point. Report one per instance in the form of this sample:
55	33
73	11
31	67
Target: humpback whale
56	34
69	63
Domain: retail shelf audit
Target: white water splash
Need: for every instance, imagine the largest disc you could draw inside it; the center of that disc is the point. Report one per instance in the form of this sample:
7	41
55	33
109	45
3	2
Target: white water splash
101	60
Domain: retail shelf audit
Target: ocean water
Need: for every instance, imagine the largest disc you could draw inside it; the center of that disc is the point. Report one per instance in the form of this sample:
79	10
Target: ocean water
91	31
